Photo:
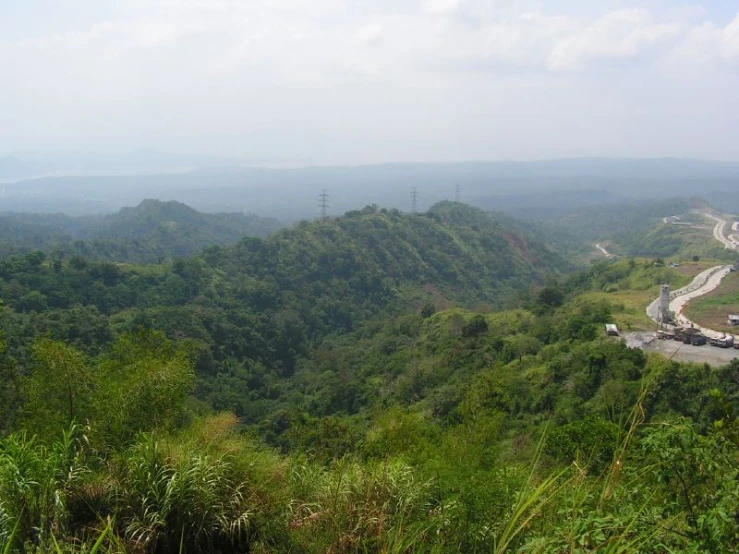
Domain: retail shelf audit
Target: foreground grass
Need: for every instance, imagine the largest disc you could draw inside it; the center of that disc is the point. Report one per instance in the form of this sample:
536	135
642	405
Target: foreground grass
212	489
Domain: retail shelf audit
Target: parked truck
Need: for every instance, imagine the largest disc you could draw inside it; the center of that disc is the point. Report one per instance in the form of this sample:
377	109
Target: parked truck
690	335
725	341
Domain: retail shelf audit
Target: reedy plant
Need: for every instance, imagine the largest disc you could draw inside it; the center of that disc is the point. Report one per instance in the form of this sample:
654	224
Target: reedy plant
188	504
36	482
354	507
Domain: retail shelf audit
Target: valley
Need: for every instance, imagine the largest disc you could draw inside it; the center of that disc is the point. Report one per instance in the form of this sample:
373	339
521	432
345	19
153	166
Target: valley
352	277
337	367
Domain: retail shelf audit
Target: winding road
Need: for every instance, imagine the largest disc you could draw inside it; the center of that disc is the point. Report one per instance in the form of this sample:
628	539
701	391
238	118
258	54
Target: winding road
718	233
606	253
704	282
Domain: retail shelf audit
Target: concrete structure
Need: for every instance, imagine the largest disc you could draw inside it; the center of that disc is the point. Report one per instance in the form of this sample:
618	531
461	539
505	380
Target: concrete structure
704	282
663	315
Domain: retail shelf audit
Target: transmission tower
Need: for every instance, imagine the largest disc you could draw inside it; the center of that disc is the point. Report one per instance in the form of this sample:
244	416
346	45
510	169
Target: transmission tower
457	195
414	200
323	203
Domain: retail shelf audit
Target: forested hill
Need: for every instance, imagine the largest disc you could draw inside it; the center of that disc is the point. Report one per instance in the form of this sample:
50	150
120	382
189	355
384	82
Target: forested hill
395	419
151	231
453	252
271	301
604	222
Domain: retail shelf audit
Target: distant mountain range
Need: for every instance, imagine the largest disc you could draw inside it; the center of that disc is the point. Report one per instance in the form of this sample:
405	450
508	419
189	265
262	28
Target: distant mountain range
151	231
26	165
532	190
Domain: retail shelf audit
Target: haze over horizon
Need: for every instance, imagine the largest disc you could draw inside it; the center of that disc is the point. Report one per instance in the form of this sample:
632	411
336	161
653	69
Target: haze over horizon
338	82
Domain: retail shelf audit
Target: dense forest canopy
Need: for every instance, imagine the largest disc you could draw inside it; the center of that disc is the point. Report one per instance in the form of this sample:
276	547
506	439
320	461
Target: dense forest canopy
377	382
147	233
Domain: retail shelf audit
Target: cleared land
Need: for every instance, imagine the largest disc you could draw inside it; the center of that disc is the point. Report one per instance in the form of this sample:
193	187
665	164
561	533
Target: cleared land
711	310
680	352
629	296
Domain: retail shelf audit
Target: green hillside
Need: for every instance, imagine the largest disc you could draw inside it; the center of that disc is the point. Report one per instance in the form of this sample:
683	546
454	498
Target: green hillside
639	229
259	309
379	382
151	231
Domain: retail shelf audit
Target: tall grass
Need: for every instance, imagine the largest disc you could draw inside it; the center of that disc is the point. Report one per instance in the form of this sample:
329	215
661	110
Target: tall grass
354	507
189	504
36	482
210	489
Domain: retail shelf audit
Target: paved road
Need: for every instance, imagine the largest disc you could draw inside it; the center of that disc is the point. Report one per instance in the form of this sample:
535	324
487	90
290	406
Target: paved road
605	252
703	283
680	352
678	304
719	232
700	285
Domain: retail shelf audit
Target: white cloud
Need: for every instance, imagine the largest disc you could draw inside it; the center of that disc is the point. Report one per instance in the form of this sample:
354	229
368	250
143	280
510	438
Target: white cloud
442	7
705	48
617	35
175	68
370	34
730	41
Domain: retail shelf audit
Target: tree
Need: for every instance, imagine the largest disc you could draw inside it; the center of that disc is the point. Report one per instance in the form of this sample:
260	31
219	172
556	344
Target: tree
143	384
9	387
524	345
548	297
59	392
477	326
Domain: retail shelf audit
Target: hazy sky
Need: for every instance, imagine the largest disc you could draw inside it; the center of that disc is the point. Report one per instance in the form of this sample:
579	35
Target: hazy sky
351	81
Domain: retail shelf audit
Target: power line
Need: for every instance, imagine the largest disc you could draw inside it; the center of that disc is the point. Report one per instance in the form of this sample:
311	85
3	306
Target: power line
414	200
323	203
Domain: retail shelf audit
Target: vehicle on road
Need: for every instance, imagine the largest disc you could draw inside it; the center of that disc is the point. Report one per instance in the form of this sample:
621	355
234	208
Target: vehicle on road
727	341
691	335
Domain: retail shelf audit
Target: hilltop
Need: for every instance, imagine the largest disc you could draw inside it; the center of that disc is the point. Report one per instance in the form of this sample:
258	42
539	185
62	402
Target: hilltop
147	232
268	302
290	193
434	376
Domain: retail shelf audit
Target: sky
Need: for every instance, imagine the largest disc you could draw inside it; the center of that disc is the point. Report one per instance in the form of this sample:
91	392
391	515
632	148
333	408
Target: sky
367	81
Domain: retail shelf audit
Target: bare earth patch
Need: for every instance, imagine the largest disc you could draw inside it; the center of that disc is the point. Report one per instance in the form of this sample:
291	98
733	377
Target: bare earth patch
712	310
691	269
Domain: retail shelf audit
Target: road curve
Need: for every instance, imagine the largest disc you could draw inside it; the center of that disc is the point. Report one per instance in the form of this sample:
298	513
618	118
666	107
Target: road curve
606	253
678	304
703	283
720	235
